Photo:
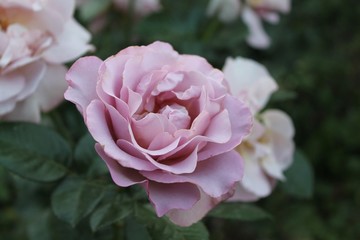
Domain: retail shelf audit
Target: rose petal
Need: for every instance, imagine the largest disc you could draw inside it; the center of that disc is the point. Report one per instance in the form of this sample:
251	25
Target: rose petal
96	121
51	89
240	118
71	43
198	211
165	197
122	176
82	78
257	37
213	176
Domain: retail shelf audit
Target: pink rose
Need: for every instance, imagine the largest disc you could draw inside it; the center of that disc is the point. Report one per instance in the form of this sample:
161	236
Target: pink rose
36	37
141	8
268	150
165	121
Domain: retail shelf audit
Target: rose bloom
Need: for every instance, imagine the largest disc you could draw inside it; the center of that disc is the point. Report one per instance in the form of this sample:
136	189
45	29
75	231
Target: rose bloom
269	149
251	12
36	37
165	121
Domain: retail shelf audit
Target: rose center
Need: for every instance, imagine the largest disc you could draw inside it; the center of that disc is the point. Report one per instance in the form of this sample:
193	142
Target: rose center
177	115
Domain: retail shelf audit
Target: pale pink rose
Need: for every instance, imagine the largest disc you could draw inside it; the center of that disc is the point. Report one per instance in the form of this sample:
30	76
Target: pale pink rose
141	8
165	121
268	150
252	12
36	37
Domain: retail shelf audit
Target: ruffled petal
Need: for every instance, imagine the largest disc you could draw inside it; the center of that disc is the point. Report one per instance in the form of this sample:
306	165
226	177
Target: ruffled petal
82	79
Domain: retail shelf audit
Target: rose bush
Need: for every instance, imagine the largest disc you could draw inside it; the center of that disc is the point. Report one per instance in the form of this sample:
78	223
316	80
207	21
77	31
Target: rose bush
36	37
251	12
269	149
165	121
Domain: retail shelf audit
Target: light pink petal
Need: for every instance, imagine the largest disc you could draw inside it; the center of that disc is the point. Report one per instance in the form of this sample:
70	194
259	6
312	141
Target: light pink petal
250	81
65	7
257	132
10	86
98	126
215	176
279	122
243	195
219	129
254	180
241	123
165	197
51	89
281	133
143	138
33	74
272	167
122	176
198	211
27	110
257	38
72	43
82	79
177	164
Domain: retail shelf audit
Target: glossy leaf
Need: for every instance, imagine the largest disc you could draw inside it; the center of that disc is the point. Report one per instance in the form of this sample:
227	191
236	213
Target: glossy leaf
299	177
75	198
33	151
239	211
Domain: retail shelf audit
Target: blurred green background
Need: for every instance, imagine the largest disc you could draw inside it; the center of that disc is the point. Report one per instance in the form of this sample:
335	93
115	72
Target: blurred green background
315	58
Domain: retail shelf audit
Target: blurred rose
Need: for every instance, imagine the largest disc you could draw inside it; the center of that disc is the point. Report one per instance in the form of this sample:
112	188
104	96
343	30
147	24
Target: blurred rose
251	12
268	150
165	121
36	37
141	8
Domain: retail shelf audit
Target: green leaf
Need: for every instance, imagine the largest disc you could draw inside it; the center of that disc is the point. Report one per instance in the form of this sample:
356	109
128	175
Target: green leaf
75	198
134	230
299	177
239	211
196	231
163	229
109	213
33	151
44	226
86	158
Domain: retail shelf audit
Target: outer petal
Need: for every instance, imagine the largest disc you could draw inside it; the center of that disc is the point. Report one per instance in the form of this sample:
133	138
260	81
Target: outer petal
279	122
97	123
72	43
257	38
122	176
166	197
255	180
249	80
51	89
82	79
215	176
27	110
281	133
241	123
199	210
